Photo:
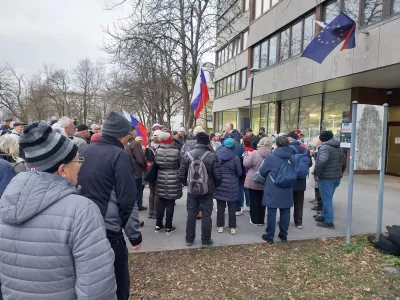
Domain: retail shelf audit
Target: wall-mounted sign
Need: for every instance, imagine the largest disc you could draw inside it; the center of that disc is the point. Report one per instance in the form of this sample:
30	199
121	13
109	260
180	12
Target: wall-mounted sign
345	135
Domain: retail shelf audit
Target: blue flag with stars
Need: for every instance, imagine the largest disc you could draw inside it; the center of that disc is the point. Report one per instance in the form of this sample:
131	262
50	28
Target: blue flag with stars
342	28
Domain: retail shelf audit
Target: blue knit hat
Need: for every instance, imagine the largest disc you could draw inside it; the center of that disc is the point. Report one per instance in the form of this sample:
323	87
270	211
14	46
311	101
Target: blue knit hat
229	143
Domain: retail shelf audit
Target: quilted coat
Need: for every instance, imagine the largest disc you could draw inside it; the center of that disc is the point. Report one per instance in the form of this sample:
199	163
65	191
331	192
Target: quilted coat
53	242
168	160
252	162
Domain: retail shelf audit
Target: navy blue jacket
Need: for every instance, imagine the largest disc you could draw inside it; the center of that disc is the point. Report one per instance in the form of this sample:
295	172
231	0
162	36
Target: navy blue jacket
274	196
231	171
7	173
107	178
301	183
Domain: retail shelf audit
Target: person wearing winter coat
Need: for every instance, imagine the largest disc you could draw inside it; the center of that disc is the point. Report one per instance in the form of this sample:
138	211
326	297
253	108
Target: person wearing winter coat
214	173
190	143
53	241
227	193
276	197
10	151
7	173
252	163
247	140
301	184
168	187
329	168
313	180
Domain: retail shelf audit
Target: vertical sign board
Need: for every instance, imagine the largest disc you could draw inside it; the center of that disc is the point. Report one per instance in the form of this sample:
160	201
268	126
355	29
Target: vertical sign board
345	135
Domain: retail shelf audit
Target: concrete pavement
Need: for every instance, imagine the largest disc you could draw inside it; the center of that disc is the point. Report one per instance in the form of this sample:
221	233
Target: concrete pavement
364	217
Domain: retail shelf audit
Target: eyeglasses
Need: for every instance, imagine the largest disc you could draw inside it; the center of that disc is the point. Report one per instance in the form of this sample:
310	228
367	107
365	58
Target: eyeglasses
80	160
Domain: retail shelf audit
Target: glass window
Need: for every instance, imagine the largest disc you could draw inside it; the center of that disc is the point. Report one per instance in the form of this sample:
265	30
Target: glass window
273	43
309	30
284	51
255	118
234	48
289	115
256	56
372	11
230	117
225	85
310	118
271	118
236	81
245	36
264	55
336	106
296	39
332	10
246	5
258	6
263	117
237	46
396	6
217	90
275	2
351	8
233	80
244	79
229	49
266	5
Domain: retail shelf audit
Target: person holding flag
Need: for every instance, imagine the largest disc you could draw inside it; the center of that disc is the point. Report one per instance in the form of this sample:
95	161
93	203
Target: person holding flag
200	94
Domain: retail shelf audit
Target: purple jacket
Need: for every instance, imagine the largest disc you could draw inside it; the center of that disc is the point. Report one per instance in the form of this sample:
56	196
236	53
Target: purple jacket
252	162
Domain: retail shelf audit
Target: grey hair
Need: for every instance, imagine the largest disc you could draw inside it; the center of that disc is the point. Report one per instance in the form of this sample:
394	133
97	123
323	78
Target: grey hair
265	142
282	141
64	122
9	146
57	128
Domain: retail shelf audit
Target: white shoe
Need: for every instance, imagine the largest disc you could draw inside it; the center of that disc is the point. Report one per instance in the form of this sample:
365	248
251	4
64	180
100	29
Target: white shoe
252	223
245	208
239	213
299	227
233	231
220	229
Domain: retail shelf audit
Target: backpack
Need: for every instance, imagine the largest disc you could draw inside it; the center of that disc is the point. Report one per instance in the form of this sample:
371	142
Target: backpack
197	180
302	162
287	175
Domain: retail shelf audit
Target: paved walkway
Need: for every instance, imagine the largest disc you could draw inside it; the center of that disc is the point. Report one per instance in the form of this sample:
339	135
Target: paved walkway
364	217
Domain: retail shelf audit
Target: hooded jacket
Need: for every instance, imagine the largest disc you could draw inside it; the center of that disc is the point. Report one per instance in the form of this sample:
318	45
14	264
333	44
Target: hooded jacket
53	242
252	162
331	162
275	196
231	170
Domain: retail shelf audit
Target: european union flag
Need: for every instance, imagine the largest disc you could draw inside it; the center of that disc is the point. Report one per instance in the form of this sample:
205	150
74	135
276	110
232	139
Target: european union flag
342	28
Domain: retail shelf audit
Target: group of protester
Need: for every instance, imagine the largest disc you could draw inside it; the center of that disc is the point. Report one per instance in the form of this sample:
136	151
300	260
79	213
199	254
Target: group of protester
65	217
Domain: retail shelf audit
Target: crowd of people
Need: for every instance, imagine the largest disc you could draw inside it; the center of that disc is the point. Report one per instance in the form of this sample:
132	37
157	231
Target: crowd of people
70	192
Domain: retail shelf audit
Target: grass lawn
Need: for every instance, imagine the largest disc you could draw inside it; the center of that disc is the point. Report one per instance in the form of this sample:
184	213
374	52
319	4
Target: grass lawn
314	269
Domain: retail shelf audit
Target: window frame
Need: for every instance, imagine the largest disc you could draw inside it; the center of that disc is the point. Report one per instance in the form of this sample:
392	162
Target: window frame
263	12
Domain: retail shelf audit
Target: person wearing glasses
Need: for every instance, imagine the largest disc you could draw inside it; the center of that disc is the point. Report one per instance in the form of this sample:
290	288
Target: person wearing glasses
53	241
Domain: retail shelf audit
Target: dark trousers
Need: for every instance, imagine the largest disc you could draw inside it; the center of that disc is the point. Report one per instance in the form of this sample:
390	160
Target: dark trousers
240	200
298	199
284	220
153	199
318	197
167	205
139	193
257	210
194	203
121	269
221	213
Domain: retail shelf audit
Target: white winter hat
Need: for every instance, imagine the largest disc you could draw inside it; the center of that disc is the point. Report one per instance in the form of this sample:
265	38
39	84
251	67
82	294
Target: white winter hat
197	130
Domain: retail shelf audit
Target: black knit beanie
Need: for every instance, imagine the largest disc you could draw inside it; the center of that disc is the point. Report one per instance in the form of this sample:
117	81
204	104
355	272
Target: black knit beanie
325	135
203	138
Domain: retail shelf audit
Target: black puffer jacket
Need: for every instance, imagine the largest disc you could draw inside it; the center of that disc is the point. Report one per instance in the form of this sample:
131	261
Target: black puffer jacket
331	162
231	170
168	159
210	161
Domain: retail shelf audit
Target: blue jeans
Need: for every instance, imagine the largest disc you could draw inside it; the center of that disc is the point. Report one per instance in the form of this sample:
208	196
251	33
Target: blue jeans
240	201
284	221
139	194
327	188
247	196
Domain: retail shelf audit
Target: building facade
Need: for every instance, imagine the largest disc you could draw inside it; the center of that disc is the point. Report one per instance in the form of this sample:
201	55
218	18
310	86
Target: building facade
291	92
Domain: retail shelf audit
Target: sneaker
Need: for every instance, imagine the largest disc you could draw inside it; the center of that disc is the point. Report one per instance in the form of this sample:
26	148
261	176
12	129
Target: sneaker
158	229
283	238
317	208
199	216
239	213
189	244
207	245
267	239
319	219
325	225
299	226
141	208
313	200
168	231
233	231
220	229
253	223
245	208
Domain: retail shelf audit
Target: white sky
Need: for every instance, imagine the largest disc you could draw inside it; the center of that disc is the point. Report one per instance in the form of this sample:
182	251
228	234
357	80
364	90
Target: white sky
55	32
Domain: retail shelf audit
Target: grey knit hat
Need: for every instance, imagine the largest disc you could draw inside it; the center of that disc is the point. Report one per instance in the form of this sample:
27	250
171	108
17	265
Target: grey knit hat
45	149
116	125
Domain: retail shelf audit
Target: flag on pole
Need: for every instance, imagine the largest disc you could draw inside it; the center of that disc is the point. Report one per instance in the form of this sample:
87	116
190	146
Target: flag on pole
141	130
342	28
200	94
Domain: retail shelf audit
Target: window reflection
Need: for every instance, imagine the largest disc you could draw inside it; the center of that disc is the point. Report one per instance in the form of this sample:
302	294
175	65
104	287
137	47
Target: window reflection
310	117
256	56
244	79
258	5
266	5
264	54
351	8
396	6
289	115
296	39
271	118
309	30
336	106
332	10
372	11
245	35
273	42
284	51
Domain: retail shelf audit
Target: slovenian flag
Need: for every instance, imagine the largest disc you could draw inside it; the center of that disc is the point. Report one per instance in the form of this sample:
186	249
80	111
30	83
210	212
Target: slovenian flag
200	94
141	130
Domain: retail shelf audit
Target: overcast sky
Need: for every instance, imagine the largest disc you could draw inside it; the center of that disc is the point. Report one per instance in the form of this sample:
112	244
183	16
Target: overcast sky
55	32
